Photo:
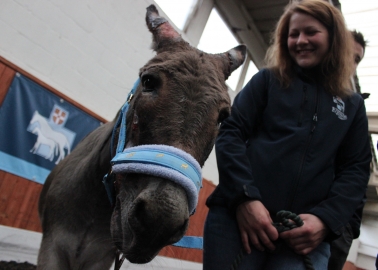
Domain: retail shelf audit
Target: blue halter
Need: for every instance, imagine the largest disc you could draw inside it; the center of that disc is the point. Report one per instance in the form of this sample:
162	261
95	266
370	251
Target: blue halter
157	160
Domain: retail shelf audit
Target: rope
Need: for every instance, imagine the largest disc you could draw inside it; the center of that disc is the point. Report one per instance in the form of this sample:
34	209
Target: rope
287	221
119	258
238	259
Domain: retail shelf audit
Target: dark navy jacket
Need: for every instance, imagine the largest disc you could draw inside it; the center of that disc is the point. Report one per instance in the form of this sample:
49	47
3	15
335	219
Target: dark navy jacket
298	149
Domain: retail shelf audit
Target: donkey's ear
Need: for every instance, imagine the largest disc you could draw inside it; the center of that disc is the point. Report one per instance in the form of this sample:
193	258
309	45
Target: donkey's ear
236	58
161	29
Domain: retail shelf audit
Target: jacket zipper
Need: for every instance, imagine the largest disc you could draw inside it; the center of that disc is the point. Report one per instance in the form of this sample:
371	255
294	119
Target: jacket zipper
313	126
304	100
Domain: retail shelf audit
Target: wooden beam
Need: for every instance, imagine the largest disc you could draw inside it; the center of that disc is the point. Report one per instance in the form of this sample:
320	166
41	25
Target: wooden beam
243	73
6	77
196	22
244	29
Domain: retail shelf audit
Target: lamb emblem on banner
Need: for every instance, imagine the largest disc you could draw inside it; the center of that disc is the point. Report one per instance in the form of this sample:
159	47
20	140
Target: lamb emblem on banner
53	139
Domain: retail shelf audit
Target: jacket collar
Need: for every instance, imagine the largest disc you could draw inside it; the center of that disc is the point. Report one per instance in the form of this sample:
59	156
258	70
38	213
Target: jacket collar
310	75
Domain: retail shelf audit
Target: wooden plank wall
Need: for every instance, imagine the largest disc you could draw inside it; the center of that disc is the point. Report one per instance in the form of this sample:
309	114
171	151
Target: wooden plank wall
19	202
6	77
351	266
19	197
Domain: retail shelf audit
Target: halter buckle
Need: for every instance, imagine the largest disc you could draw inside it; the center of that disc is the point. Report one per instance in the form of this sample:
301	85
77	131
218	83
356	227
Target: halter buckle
130	98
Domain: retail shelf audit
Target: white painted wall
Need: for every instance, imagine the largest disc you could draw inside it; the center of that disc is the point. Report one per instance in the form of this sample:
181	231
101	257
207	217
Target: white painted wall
364	250
90	51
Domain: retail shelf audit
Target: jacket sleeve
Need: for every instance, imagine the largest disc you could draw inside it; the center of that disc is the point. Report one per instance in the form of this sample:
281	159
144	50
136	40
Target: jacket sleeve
234	167
352	172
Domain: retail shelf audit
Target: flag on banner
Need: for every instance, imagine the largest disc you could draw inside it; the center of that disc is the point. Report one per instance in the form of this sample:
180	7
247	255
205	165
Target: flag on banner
38	129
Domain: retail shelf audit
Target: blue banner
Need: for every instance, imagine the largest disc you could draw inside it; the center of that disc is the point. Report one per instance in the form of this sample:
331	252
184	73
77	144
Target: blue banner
38	129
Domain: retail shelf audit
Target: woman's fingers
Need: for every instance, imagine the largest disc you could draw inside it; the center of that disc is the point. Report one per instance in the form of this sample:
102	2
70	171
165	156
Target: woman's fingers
255	224
245	242
307	237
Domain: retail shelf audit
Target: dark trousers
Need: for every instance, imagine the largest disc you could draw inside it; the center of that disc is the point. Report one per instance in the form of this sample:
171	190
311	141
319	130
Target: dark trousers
340	250
222	249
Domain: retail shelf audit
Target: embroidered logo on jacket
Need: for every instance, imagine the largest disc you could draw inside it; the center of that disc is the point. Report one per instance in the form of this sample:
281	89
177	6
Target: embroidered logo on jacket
340	108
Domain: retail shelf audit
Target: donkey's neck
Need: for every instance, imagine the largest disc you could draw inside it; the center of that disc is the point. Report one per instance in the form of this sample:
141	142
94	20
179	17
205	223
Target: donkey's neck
94	154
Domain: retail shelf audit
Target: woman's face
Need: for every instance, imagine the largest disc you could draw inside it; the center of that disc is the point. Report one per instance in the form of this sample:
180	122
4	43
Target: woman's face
307	40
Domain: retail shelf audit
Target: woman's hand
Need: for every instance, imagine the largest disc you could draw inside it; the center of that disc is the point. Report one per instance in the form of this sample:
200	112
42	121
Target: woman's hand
255	226
306	238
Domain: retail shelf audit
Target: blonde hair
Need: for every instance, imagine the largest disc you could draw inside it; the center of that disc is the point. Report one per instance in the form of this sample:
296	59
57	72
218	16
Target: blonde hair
337	65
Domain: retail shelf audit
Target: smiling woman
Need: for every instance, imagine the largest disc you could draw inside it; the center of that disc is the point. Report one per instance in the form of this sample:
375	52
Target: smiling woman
295	136
307	40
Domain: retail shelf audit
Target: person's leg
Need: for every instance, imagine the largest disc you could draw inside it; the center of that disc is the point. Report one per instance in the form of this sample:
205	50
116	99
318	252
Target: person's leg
222	245
340	249
286	258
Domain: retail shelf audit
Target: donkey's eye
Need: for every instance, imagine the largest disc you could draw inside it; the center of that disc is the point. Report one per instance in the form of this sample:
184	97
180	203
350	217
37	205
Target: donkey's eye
223	114
149	83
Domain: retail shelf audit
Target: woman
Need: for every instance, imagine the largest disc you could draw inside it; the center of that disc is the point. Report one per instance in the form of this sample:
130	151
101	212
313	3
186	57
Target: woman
296	140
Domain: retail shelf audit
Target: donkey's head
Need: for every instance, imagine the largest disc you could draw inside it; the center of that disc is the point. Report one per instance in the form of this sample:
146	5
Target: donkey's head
180	102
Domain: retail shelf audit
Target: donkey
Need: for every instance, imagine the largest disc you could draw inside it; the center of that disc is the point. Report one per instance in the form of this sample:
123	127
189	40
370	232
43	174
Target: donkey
179	103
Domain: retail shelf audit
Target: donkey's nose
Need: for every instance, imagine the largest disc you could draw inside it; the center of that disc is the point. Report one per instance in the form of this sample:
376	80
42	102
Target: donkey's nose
142	215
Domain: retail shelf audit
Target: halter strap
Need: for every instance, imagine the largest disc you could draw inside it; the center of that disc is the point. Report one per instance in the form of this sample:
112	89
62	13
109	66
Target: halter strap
164	155
121	121
163	161
108	179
